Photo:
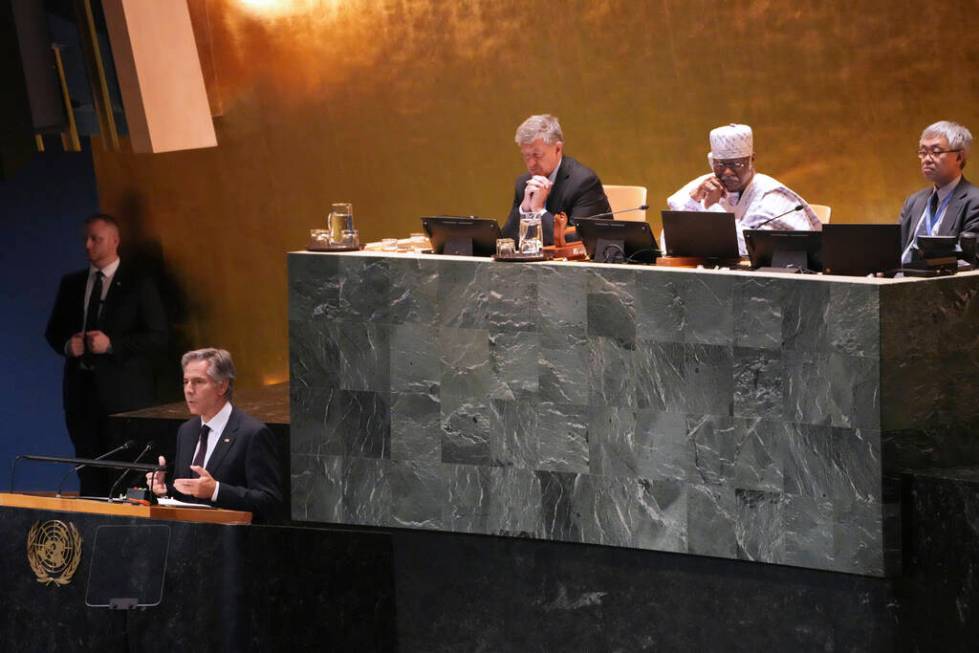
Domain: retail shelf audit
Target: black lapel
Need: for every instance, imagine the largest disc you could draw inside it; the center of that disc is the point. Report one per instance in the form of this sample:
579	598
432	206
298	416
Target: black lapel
187	450
225	442
555	200
917	210
119	280
950	222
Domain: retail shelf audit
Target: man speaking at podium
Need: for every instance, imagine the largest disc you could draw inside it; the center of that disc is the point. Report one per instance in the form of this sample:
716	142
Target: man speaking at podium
224	457
553	183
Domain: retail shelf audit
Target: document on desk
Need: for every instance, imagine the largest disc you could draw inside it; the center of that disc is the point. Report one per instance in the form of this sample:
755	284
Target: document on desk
174	503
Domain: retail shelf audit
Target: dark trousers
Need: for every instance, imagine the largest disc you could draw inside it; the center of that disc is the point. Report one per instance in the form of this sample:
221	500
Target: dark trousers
88	425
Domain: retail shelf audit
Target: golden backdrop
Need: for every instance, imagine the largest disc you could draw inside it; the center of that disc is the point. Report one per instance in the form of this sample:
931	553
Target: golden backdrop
408	107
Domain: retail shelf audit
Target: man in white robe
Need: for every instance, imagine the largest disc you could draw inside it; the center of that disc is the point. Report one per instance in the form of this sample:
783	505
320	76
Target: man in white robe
735	187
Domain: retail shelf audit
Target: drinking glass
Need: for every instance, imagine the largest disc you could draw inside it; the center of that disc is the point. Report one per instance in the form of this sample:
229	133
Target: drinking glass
531	239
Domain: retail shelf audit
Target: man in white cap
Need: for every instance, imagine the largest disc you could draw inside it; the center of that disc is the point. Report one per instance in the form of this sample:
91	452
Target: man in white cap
735	187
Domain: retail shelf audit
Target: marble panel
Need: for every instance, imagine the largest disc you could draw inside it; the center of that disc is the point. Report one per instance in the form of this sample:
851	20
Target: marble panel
712	515
611	377
413	367
515	359
759	526
759	309
562	432
758	383
414	292
831	389
416	427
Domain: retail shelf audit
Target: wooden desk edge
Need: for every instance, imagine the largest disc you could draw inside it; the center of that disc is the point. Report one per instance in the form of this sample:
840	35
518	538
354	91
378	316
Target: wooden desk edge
89	506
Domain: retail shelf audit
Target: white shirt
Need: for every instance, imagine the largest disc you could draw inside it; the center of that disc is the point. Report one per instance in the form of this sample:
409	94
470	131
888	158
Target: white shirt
764	198
108	272
217	425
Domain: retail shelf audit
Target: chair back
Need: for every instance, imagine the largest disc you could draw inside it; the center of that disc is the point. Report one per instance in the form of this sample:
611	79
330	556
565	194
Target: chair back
822	212
626	197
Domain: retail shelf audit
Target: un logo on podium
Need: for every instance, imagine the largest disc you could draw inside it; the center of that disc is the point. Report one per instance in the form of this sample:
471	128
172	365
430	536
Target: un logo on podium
54	549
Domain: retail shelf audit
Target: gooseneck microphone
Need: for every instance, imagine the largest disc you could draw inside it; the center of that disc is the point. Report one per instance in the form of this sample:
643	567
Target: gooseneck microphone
641	207
112	490
798	207
128	444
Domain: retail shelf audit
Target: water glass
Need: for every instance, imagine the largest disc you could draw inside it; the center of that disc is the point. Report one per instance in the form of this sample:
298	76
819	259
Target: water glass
505	248
531	238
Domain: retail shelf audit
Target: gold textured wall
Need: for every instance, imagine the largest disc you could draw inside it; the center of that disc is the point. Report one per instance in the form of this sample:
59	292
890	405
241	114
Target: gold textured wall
408	107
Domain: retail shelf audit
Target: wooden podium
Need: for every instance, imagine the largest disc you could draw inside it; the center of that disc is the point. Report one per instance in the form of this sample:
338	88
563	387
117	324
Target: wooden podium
94	507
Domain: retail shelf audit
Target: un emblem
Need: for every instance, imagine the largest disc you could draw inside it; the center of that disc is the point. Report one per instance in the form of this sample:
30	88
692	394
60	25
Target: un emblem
54	550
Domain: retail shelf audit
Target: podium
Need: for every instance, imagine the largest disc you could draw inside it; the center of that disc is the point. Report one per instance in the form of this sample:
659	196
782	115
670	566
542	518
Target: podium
225	583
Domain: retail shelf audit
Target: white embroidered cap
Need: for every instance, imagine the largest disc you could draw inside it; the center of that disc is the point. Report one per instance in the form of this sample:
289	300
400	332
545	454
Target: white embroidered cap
731	142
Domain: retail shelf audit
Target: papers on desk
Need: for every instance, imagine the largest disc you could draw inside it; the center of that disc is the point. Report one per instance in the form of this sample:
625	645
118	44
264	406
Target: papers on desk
174	503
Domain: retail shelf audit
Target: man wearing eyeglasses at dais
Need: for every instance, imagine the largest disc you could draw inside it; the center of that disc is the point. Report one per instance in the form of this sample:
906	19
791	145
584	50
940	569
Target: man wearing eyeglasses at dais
950	206
733	186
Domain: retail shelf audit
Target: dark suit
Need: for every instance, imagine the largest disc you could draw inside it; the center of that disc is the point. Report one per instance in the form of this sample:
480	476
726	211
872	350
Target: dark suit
577	191
244	462
961	214
133	318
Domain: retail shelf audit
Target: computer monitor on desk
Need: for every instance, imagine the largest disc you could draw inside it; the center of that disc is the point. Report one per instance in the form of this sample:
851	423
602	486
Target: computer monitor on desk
617	241
462	236
709	235
861	249
792	251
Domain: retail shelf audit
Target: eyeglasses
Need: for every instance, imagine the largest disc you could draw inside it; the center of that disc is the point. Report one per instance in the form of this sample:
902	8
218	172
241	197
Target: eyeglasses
733	164
934	153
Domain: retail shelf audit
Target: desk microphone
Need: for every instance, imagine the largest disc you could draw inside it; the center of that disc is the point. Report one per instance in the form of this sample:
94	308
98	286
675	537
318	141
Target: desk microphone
149	445
798	207
128	444
641	207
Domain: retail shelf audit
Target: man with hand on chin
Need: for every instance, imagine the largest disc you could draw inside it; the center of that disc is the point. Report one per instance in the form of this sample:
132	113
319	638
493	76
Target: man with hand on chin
224	457
553	183
733	186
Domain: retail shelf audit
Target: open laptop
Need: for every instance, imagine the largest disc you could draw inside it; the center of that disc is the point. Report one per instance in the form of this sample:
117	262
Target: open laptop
861	249
704	234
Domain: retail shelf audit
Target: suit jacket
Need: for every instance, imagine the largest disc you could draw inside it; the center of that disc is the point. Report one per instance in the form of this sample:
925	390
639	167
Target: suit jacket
134	319
244	461
961	214
577	191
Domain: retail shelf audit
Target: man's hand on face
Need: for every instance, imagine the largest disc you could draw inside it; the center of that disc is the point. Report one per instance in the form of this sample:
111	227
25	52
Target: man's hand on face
76	346
157	481
201	487
98	342
710	191
535	194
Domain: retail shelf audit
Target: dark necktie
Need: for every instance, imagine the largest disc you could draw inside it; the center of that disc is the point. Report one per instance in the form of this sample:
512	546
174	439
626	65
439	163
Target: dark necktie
92	315
201	446
932	212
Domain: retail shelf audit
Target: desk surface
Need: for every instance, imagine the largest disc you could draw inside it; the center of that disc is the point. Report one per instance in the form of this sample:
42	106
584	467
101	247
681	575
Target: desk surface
820	277
89	506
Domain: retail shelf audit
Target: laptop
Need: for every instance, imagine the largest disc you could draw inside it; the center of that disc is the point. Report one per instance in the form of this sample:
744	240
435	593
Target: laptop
703	234
861	249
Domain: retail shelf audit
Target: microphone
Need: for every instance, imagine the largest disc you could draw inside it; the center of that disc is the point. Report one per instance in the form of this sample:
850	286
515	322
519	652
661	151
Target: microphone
798	207
128	444
641	207
112	490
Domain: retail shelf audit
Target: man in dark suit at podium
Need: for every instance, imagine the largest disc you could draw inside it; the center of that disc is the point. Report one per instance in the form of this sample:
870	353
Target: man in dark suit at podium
950	205
109	323
553	183
224	457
